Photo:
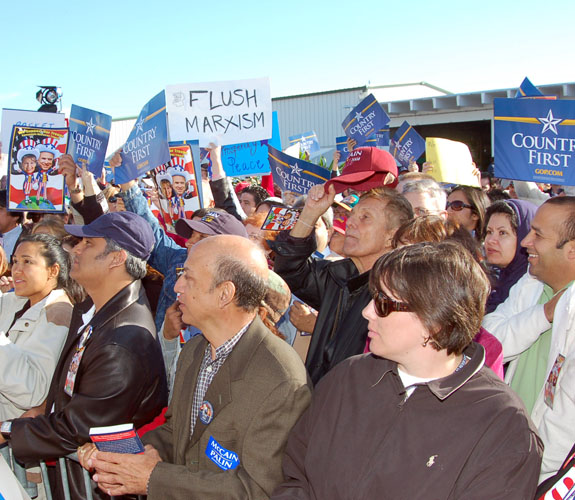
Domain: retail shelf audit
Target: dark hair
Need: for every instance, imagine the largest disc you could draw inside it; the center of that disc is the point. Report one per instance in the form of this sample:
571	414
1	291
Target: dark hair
496	194
201	212
52	251
16	215
250	287
55	226
424	228
567	229
501	207
442	284
258	192
135	266
479	202
397	209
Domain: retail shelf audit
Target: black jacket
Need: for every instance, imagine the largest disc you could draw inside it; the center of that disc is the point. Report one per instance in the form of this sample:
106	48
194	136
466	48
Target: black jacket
121	379
336	290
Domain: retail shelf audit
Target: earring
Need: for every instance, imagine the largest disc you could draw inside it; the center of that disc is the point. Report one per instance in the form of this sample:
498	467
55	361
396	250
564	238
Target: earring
426	341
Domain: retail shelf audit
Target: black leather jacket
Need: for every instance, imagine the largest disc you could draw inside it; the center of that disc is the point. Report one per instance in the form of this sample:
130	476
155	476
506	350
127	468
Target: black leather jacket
121	379
336	290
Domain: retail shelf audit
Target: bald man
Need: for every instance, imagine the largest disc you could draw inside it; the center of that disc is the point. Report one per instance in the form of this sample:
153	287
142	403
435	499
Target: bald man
238	390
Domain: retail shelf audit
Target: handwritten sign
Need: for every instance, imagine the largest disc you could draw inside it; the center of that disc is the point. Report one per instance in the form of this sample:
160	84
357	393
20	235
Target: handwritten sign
365	120
147	145
228	112
407	145
451	160
293	174
89	134
535	140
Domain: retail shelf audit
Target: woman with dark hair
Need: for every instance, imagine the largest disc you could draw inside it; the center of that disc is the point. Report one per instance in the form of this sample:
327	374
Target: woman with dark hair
419	417
507	223
34	322
466	205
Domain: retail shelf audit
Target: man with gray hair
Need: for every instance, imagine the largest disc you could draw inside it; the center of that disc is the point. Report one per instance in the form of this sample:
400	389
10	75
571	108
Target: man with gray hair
111	370
426	197
239	390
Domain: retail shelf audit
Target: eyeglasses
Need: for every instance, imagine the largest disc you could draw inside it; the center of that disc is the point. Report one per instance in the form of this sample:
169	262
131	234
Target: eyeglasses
384	306
457	205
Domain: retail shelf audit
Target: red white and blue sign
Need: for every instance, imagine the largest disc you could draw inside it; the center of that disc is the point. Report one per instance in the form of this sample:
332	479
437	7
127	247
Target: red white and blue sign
535	140
293	174
365	120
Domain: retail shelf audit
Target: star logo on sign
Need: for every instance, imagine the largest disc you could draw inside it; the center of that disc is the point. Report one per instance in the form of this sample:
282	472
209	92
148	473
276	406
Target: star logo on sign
90	126
140	126
295	170
358	116
550	123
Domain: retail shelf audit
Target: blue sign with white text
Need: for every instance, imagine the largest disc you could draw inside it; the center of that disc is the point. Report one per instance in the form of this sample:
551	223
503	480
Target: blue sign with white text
223	458
535	140
527	89
341	145
147	146
293	174
365	120
89	134
407	145
308	141
250	158
382	136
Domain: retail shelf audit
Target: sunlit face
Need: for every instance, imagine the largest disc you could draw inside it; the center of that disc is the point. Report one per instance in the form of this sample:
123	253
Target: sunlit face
28	164
500	240
33	278
88	263
366	233
179	184
398	336
166	189
465	217
248	203
547	262
46	160
423	204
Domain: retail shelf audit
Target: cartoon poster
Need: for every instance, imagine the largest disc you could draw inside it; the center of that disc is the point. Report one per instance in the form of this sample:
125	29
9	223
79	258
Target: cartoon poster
89	134
177	188
280	219
33	178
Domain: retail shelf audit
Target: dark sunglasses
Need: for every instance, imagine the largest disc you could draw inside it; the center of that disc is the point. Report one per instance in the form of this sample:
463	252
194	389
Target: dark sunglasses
384	306
457	205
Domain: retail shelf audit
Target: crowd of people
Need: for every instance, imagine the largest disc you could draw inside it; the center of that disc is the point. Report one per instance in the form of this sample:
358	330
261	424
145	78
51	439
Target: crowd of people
403	339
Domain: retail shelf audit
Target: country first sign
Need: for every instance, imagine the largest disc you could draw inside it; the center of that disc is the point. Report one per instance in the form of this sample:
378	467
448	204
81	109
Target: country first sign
230	112
535	140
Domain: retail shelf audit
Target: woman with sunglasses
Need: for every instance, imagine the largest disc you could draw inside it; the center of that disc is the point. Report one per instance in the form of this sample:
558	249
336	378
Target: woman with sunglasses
34	322
466	205
507	223
419	417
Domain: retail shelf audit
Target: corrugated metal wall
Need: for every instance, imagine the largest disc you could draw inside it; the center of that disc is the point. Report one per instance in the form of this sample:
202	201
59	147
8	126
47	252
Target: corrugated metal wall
320	112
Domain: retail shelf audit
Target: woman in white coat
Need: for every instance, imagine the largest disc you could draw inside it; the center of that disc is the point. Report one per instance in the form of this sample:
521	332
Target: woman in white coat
34	321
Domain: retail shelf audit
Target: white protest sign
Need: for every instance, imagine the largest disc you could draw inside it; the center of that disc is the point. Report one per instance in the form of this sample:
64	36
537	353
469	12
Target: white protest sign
10	488
228	112
11	117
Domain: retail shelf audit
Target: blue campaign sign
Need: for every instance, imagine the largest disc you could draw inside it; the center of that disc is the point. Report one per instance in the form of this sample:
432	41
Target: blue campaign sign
308	141
407	145
89	134
250	158
147	146
341	145
364	120
527	89
382	136
293	174
535	140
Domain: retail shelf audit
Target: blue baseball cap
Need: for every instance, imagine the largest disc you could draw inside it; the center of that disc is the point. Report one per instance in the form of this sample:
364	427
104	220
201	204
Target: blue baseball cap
128	230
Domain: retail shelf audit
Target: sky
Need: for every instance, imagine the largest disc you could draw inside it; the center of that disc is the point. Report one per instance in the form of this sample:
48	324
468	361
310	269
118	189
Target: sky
113	56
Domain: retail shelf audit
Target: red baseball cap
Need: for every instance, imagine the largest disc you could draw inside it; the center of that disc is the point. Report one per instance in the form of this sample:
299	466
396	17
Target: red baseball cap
366	168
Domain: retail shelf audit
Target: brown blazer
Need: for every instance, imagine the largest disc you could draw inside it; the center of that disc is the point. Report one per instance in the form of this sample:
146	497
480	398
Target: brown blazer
257	396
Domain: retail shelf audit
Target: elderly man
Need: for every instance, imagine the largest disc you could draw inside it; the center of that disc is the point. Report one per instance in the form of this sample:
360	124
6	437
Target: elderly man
110	370
535	325
238	391
426	197
339	290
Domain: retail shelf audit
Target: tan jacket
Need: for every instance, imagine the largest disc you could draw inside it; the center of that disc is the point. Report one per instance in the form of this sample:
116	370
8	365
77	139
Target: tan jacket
257	396
28	355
